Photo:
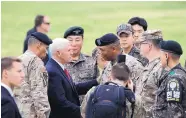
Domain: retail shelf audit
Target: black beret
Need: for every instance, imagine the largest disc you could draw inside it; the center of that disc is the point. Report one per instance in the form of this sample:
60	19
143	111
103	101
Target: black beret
171	46
140	21
106	39
42	37
75	31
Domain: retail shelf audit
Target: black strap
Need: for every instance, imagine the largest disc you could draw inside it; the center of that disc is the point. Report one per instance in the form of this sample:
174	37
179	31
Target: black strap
118	102
95	95
121	101
107	83
132	107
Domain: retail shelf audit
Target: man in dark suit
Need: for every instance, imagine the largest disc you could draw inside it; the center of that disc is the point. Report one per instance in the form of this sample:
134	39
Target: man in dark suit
62	92
41	24
11	75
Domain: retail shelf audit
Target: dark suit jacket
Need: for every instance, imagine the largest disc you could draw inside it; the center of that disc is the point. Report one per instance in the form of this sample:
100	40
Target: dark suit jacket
63	93
8	106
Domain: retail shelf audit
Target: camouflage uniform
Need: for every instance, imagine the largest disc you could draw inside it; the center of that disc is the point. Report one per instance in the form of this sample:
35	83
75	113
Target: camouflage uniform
82	70
32	97
148	80
134	65
171	95
136	53
146	88
127	29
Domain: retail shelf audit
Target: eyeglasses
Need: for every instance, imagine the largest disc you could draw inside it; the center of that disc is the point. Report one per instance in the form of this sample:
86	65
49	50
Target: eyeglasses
144	43
47	23
138	44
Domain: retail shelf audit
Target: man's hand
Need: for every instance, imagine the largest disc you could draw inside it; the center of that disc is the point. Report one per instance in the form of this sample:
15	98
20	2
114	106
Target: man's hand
130	85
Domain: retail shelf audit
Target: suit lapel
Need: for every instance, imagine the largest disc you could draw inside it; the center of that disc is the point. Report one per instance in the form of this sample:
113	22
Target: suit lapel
63	73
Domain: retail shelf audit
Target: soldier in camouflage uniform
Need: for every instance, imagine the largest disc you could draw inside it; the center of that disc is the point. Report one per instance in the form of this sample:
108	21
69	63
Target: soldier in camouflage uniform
82	67
32	97
125	34
171	95
149	79
110	48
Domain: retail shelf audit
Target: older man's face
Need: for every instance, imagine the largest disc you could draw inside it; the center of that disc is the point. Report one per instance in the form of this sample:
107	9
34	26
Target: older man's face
65	54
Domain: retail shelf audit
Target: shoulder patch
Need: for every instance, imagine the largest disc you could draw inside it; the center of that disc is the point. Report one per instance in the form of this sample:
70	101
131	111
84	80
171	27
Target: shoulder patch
173	91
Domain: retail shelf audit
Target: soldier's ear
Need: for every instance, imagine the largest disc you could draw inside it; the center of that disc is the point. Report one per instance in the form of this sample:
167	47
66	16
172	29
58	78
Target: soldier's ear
58	53
166	55
150	46
38	45
4	74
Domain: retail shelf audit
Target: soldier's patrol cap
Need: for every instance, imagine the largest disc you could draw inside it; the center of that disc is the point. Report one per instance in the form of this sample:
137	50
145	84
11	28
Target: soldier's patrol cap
106	39
171	46
74	31
42	37
151	35
124	28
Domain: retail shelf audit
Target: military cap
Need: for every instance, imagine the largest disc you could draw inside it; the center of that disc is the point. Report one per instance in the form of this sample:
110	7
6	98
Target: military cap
171	46
42	37
151	35
106	39
140	21
74	31
124	28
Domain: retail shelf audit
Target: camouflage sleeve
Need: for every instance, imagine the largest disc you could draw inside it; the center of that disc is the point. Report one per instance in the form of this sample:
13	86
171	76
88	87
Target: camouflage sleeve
96	70
174	92
136	69
39	83
157	74
85	100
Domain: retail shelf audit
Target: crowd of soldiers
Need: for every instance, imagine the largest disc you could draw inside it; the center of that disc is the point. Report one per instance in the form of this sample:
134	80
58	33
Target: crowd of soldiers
158	77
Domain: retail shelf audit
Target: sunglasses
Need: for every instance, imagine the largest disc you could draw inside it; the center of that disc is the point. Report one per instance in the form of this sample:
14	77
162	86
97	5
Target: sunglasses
47	23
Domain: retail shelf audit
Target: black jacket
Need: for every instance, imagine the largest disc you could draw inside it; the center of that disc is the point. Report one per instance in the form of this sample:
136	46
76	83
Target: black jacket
63	93
8	106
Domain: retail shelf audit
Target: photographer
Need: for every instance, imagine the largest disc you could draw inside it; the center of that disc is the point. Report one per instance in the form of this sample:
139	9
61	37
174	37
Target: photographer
109	100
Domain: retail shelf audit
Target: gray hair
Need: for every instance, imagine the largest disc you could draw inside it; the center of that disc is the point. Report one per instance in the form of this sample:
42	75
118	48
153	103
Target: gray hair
58	44
32	40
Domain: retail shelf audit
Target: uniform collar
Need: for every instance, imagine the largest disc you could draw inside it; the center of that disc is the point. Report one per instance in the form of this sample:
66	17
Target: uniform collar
177	66
30	52
153	63
133	49
81	58
8	88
